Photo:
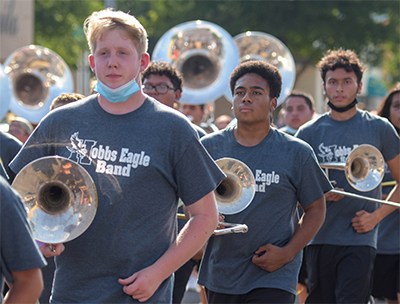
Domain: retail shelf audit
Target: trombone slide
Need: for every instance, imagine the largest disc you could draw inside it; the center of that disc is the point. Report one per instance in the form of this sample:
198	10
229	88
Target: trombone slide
232	228
375	200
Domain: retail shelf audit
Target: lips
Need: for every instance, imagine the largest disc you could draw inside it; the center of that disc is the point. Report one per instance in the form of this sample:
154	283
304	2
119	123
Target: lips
113	76
340	98
245	109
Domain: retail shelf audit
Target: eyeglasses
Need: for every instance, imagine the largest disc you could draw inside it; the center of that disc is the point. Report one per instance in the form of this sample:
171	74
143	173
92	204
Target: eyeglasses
160	89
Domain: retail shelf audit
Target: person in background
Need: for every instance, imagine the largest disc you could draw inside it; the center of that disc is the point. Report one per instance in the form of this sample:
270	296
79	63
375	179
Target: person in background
65	98
20	127
196	114
20	258
262	265
340	257
298	109
222	121
386	278
142	156
163	82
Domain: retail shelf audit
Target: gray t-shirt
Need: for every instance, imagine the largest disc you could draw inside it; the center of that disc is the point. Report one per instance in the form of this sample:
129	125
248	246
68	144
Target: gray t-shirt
19	251
389	227
141	163
286	172
333	141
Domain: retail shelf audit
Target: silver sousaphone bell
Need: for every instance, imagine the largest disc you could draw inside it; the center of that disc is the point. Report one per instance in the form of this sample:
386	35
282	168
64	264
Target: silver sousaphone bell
60	198
204	54
37	75
254	45
5	92
235	192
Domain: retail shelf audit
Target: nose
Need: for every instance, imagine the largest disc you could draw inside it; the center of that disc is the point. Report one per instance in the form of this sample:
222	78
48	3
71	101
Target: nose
112	61
247	98
339	87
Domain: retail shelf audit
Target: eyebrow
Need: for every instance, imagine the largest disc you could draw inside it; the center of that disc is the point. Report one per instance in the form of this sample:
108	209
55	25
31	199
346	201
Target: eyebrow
253	87
346	78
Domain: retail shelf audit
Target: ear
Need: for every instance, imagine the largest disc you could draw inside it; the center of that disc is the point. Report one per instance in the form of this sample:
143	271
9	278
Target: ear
323	86
144	61
274	102
359	87
91	62
178	95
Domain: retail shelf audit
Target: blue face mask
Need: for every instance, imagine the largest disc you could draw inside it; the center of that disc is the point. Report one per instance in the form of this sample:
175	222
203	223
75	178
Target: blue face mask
120	94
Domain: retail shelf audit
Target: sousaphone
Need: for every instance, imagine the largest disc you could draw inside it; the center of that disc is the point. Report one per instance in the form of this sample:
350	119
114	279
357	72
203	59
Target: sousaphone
5	93
60	198
37	76
262	46
204	54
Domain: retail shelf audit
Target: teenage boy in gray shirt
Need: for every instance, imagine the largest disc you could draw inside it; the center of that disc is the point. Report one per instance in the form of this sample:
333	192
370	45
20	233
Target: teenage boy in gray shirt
341	255
263	264
142	156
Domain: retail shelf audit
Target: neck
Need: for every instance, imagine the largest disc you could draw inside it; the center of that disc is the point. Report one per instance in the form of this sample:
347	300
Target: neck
251	135
119	108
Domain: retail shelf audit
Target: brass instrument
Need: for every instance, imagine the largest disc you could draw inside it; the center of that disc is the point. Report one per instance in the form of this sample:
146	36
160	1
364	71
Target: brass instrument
265	47
60	198
235	192
5	91
364	170
204	54
389	184
37	76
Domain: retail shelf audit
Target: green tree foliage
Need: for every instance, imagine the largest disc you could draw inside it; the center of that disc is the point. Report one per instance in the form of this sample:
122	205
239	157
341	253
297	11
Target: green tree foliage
307	28
59	26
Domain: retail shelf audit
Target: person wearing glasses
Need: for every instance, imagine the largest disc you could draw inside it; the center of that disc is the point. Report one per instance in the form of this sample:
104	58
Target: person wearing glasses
163	82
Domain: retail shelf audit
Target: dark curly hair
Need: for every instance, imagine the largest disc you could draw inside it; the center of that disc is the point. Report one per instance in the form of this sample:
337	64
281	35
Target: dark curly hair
340	58
267	71
164	68
384	107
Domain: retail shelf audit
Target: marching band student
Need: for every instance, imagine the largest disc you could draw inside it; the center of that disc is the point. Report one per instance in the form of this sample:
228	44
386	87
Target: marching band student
386	278
20	258
262	265
340	258
142	156
298	109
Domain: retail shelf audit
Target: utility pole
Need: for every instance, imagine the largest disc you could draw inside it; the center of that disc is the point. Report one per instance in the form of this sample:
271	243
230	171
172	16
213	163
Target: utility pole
110	3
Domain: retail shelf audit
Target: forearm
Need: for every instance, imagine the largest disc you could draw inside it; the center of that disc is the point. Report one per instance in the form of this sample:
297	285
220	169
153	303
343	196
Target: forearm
190	240
307	228
384	210
195	233
26	288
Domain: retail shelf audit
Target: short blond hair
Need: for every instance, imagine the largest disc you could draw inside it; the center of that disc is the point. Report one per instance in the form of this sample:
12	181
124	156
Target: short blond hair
100	22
